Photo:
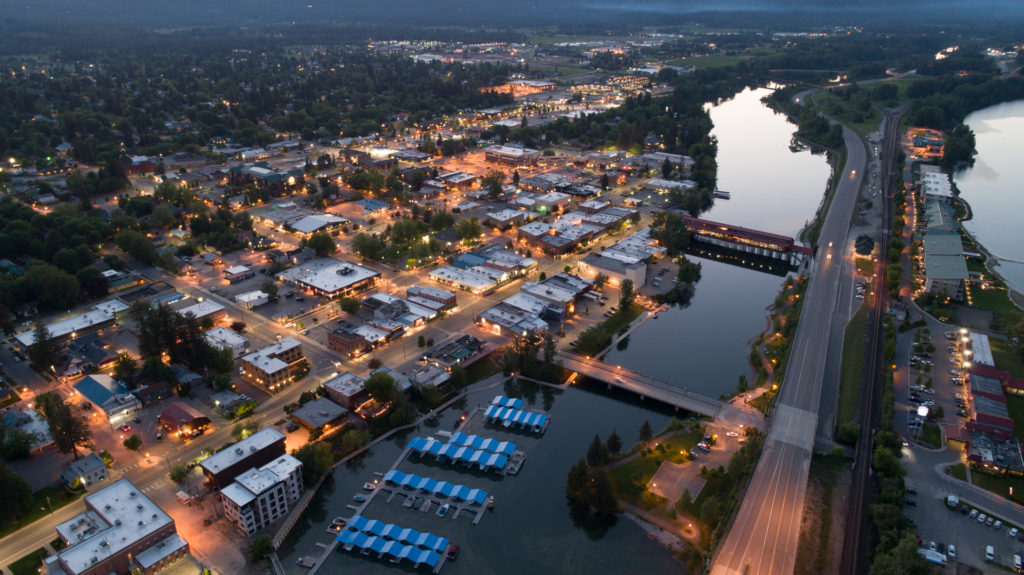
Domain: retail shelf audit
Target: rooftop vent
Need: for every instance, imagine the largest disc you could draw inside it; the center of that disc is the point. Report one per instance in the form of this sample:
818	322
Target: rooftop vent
238	450
139	507
132	494
117	522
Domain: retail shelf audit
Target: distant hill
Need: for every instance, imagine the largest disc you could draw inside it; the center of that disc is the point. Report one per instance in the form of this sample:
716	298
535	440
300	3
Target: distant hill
489	13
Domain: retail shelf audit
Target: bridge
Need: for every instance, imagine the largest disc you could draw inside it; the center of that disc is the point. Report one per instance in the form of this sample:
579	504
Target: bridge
747	240
650	388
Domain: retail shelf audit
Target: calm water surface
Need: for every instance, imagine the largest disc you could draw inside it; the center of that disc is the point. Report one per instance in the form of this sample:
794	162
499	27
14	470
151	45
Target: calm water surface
993	186
705	346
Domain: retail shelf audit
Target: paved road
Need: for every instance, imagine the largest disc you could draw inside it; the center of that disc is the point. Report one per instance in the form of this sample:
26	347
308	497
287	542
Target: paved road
763	539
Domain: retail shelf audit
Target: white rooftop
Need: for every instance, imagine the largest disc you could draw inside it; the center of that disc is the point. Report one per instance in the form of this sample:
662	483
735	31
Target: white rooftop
347	384
506	215
68	326
224	337
981	352
310	224
250	484
119	517
260	440
201	309
266	358
236	270
327	274
467	278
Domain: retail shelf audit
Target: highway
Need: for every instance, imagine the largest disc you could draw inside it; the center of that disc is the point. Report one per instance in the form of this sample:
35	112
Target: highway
764	536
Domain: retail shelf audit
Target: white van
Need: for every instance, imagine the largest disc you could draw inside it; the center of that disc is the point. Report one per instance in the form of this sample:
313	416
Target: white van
990	553
1017	564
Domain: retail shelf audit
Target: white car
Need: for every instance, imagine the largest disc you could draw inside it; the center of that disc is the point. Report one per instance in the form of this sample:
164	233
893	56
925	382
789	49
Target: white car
982	518
951	551
1012	532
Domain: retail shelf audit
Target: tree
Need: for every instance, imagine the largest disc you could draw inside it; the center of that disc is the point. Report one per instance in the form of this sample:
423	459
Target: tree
614	443
222	360
69	431
492	183
645	432
322	243
380	386
441	221
269	287
133	442
242	430
605	182
421	341
368	246
45	352
316	460
666	169
597	453
577	481
17	496
262	547
124	367
600	280
15	443
602	496
626	295
350	305
469	230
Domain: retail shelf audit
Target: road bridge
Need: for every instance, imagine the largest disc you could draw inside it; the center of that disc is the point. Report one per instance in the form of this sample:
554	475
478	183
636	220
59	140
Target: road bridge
650	388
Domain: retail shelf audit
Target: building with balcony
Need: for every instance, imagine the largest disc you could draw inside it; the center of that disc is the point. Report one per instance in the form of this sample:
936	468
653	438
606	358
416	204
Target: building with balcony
273	366
260	496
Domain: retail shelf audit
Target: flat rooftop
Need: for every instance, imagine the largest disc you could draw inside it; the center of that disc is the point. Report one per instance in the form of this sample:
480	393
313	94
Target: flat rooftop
327	274
981	351
119	517
260	440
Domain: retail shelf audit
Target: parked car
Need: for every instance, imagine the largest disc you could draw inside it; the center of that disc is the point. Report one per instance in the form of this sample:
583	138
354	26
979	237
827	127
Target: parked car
982	518
997	525
951	551
1013	532
974	513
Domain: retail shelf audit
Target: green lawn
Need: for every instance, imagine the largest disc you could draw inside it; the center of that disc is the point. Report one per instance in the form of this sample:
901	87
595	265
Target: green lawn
29	564
959	471
931	434
995	300
852	369
1015	406
630	479
865	266
58	497
1006	358
1000	485
832	105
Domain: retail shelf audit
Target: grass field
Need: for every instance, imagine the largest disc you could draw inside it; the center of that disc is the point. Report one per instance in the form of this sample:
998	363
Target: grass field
29	564
994	300
838	108
630	479
1000	485
1015	406
58	497
931	434
865	266
959	471
852	367
1006	357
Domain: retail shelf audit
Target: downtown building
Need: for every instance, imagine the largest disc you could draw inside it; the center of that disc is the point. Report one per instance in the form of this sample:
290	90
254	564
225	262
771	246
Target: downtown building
261	495
122	531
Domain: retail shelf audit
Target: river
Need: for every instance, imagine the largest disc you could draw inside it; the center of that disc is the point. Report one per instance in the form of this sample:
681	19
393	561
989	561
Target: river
992	187
705	347
531	530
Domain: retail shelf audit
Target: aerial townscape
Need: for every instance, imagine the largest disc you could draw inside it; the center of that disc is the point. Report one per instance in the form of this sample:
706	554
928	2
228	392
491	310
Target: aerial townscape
495	288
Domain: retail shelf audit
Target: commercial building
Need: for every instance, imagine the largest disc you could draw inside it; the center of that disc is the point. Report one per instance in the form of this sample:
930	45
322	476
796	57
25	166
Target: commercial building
423	295
945	275
122	531
312	224
111	397
505	219
182	420
347	341
252	299
222	337
980	350
202	310
320	414
990	416
329	277
460	350
88	472
32	422
477	280
347	390
263	176
261	495
616	270
258	449
95	320
510	155
236	274
518	315
274	365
